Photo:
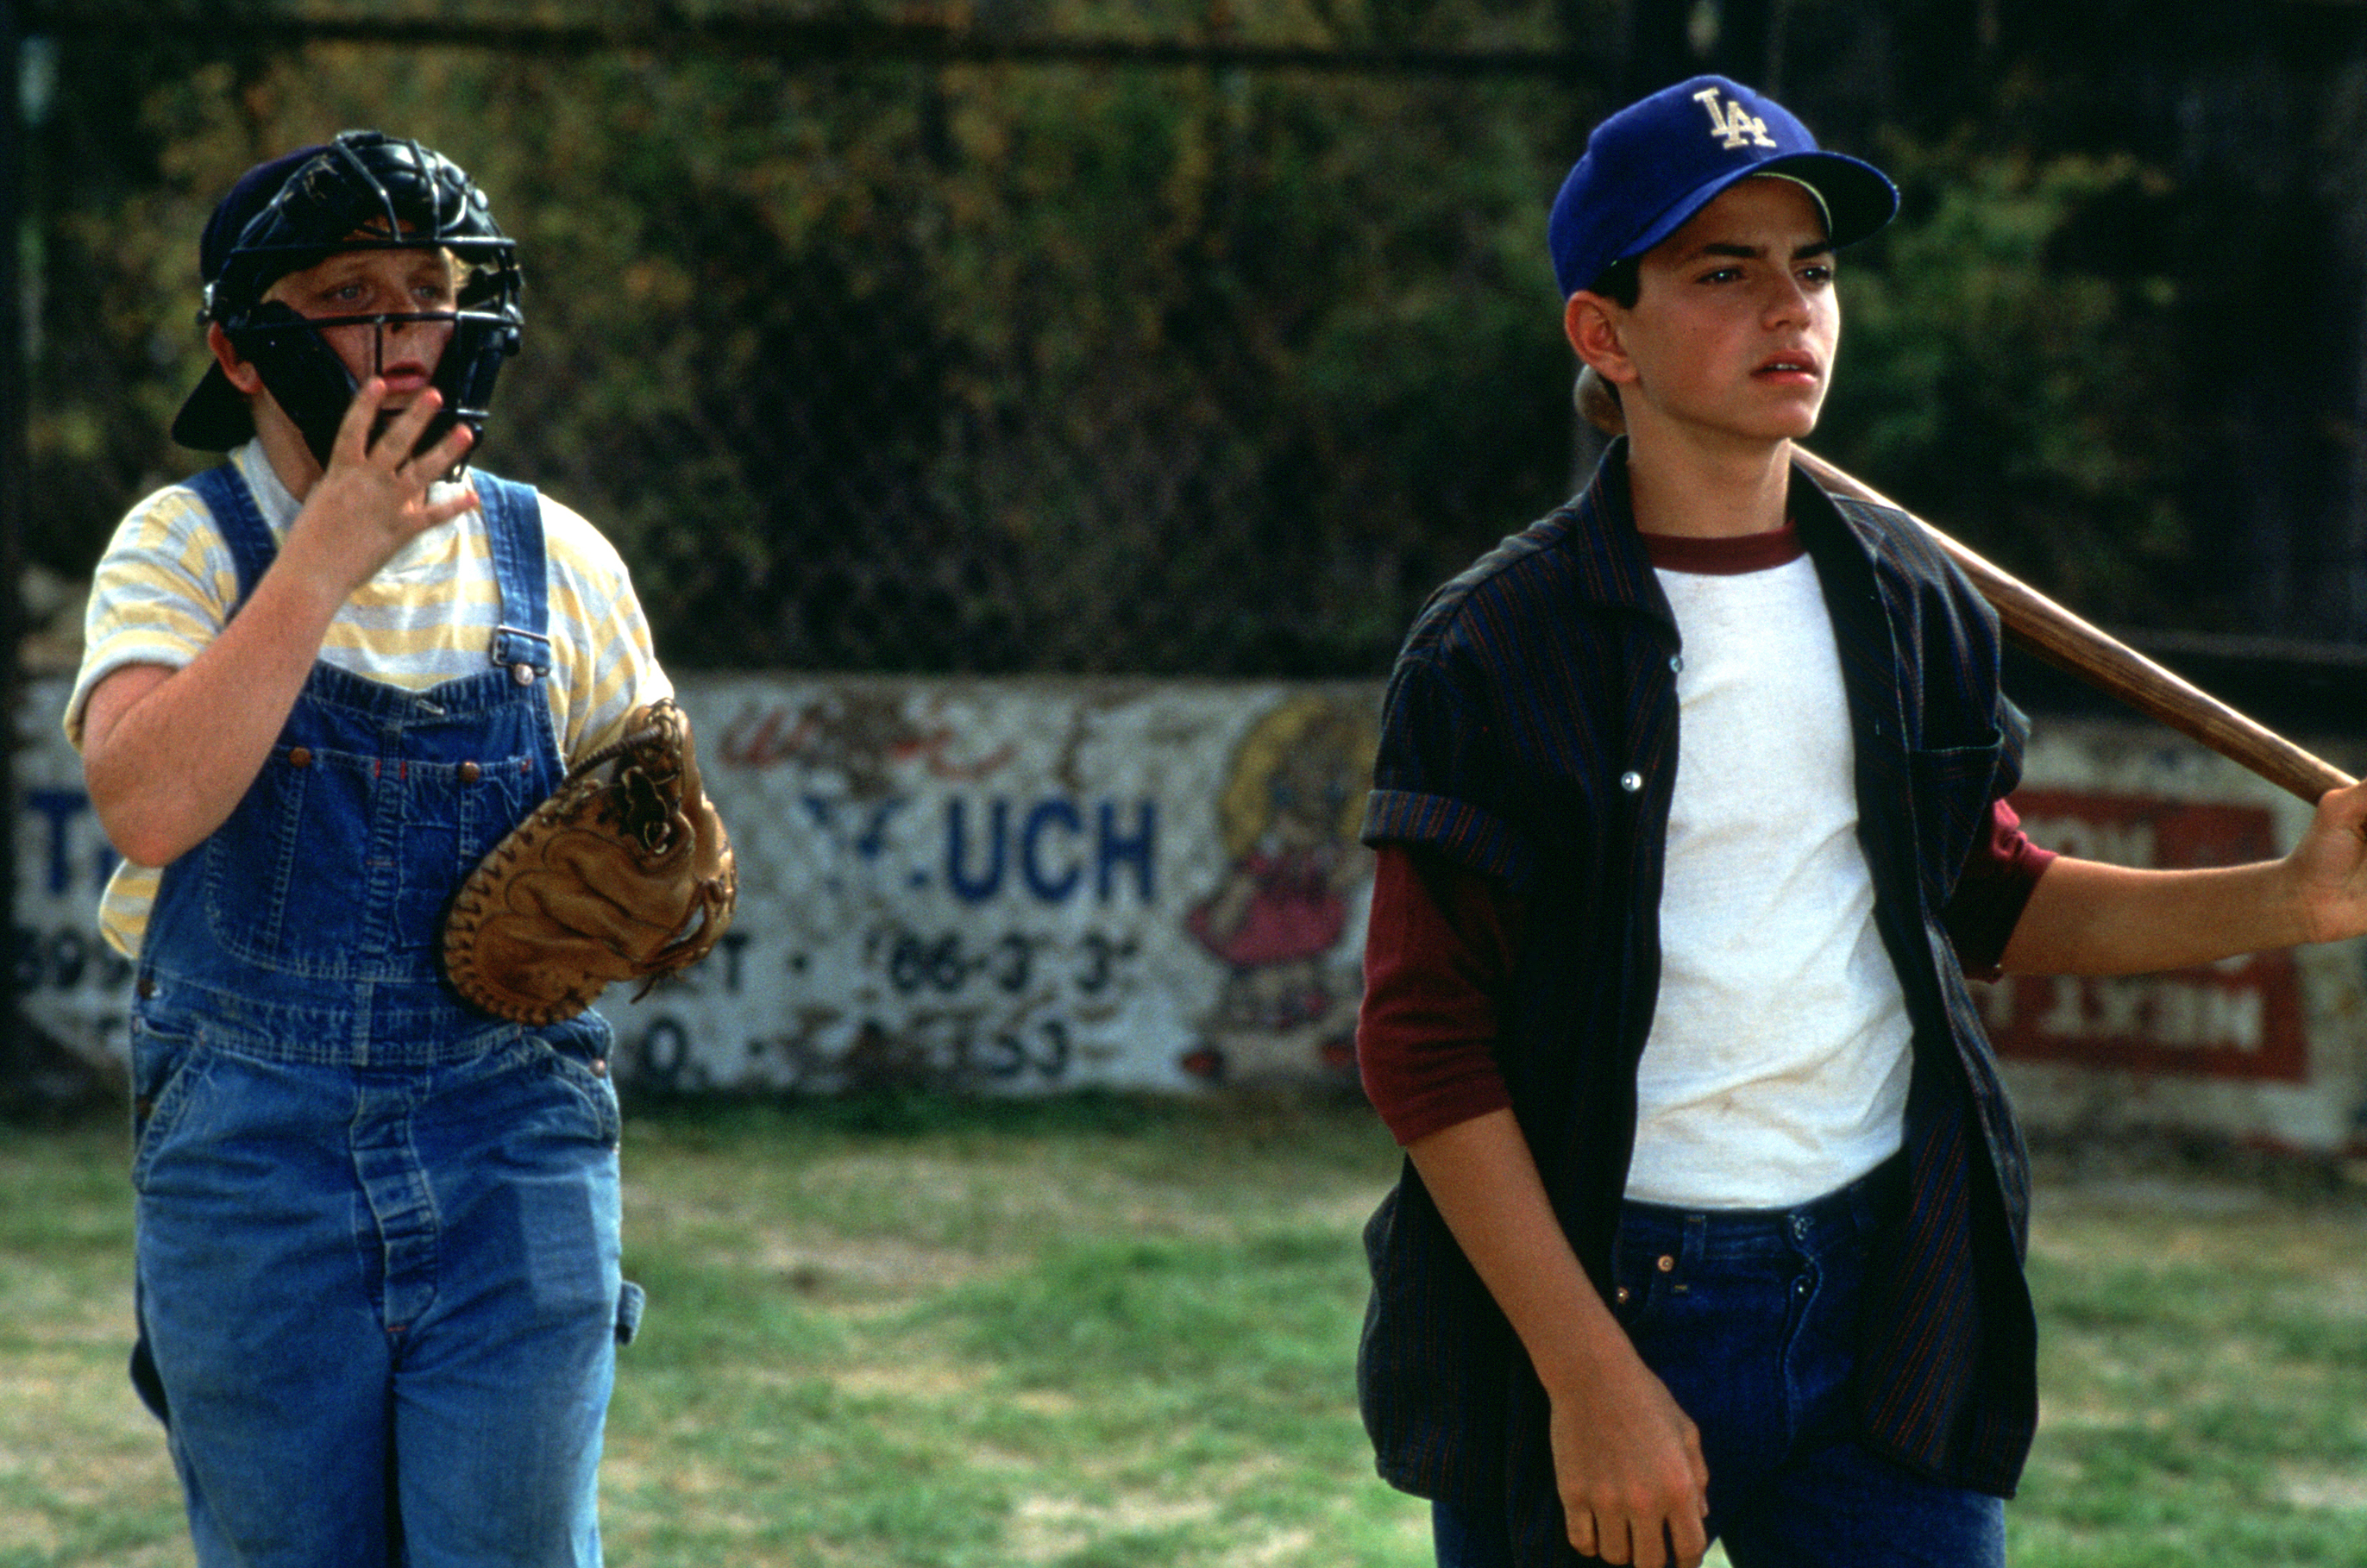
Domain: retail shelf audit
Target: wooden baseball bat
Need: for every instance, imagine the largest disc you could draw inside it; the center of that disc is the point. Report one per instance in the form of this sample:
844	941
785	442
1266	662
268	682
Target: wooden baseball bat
2062	638
2044	627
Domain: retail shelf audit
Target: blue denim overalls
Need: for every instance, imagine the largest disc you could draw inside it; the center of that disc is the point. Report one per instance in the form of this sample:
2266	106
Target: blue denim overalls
377	1229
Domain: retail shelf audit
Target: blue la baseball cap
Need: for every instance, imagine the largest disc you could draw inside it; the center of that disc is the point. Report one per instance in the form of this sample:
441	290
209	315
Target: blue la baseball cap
1651	166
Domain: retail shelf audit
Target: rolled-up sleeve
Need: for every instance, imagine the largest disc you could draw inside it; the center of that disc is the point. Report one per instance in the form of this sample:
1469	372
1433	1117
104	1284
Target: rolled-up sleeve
1437	781
1995	887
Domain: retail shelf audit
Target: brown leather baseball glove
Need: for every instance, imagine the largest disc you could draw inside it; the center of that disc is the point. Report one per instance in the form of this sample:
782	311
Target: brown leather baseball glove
625	873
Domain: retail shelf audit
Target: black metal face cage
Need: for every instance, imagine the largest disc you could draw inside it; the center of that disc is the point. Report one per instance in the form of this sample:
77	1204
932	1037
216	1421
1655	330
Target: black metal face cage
366	192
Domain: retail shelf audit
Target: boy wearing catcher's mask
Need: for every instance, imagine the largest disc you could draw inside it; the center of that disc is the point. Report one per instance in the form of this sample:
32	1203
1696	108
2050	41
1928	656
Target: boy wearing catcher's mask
377	1255
1690	819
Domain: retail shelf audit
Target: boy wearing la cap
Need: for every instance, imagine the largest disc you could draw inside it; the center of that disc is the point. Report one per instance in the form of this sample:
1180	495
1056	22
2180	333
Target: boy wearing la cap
377	1263
1690	818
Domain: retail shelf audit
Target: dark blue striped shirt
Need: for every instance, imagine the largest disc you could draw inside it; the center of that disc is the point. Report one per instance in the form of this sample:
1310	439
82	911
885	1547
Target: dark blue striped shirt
1530	733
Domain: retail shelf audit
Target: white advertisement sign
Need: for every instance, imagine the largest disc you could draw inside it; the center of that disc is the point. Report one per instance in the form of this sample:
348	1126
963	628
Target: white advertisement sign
1022	885
1002	886
1025	885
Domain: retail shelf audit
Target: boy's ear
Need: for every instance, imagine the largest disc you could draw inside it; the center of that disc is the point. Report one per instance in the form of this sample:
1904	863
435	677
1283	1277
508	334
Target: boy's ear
241	373
1591	325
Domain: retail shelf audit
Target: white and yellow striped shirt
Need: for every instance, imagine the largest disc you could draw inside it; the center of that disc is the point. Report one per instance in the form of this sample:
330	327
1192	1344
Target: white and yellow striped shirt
165	586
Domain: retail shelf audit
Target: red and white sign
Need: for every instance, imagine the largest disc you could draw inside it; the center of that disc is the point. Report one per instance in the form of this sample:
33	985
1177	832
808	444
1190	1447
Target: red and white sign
2242	1019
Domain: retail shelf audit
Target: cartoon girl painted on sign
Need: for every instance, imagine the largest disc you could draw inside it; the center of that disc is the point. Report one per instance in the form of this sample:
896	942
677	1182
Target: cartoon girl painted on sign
1289	815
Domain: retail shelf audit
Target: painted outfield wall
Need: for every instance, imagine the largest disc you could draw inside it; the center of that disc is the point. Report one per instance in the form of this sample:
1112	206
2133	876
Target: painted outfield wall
1030	885
2271	1048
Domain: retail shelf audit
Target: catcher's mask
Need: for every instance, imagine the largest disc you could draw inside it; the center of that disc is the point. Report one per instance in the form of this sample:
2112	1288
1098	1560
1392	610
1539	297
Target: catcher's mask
361	192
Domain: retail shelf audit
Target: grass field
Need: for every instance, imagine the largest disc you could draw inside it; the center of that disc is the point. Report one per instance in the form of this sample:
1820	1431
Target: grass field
1105	1334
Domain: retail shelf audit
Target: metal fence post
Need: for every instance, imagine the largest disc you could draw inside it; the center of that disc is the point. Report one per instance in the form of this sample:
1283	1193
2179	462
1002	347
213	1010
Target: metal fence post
12	520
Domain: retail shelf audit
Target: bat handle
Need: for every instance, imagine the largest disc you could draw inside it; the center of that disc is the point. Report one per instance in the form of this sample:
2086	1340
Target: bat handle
2055	634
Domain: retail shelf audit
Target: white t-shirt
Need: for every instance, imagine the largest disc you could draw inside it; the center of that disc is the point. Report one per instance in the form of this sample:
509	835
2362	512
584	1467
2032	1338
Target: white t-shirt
1777	1065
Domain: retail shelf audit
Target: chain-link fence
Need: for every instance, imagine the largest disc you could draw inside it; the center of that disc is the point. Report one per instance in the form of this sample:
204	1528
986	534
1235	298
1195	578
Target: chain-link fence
1174	338
1200	366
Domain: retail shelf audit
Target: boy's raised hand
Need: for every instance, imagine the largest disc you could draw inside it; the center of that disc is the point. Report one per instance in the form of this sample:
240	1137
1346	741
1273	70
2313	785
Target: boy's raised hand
372	500
168	753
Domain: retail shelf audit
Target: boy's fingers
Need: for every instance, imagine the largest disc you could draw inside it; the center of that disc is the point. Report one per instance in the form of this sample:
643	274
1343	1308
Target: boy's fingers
1688	1542
442	457
1678	1541
1612	1540
402	433
352	431
451	506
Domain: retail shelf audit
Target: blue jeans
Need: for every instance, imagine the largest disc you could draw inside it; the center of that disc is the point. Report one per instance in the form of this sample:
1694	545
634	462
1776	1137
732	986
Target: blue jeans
1750	1317
379	1306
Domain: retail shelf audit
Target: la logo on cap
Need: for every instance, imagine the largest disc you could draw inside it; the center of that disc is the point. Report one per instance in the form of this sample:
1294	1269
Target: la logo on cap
1738	125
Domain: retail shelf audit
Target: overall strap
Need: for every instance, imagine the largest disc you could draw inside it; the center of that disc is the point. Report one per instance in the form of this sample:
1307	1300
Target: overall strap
514	529
240	522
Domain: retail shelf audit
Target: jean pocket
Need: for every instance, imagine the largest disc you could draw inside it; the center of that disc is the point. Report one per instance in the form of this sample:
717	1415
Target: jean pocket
1642	1277
306	801
165	1075
579	1058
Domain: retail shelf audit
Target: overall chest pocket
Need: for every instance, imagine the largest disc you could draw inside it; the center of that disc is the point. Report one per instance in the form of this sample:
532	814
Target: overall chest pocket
337	865
453	815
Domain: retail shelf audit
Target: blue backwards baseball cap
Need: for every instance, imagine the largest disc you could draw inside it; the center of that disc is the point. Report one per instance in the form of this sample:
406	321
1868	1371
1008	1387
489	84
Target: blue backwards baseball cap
1651	166
215	417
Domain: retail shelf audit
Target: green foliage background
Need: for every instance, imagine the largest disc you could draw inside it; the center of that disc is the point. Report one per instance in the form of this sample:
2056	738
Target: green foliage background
872	364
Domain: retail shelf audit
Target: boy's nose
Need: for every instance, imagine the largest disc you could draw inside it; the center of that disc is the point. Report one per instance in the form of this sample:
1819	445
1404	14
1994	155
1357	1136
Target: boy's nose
1788	299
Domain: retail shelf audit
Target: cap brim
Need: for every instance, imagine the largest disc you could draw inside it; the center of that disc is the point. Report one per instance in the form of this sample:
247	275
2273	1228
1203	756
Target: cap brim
1859	198
216	417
